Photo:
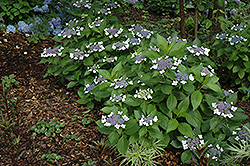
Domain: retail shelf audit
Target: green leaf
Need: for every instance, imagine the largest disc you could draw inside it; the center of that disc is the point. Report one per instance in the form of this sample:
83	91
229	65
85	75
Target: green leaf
72	84
194	118
113	137
186	129
182	107
185	156
214	122
151	54
166	89
196	99
142	131
122	145
131	101
171	102
116	69
131	127
155	132
214	87
172	125
104	73
52	69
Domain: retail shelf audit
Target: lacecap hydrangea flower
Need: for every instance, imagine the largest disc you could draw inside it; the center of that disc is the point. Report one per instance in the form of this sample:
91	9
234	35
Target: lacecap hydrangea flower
112	32
11	28
81	3
115	120
52	52
182	78
118	98
121	83
145	94
147	121
78	54
236	39
241	135
197	51
223	109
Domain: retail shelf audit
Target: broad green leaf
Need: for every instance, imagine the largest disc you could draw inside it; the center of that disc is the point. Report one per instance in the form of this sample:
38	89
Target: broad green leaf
151	54
122	145
104	73
172	125
116	69
182	107
185	156
72	84
166	89
214	87
185	129
194	118
113	137
155	132
196	99
171	102
131	101
131	127
142	131
214	122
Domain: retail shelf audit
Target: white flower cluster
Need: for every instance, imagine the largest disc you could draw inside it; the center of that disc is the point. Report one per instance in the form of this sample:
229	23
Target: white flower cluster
145	94
241	135
214	152
121	45
198	50
105	11
95	47
115	120
69	32
140	32
224	109
147	121
78	54
236	39
112	32
96	23
118	98
97	81
221	36
138	57
82	3
109	60
135	41
156	49
121	83
207	70
182	78
194	143
113	5
52	52
238	27
93	68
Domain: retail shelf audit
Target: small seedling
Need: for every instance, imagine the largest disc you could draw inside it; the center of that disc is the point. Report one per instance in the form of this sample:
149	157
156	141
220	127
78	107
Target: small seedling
71	137
47	128
51	157
90	162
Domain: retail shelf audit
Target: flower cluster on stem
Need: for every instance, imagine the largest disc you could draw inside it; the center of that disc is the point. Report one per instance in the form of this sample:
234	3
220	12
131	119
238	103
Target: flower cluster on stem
115	120
223	109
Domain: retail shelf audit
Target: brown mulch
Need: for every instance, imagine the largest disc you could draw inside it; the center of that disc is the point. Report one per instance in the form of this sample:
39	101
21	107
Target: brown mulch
47	98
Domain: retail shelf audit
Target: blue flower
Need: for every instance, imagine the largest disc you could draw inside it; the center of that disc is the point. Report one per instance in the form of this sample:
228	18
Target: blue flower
11	28
233	11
